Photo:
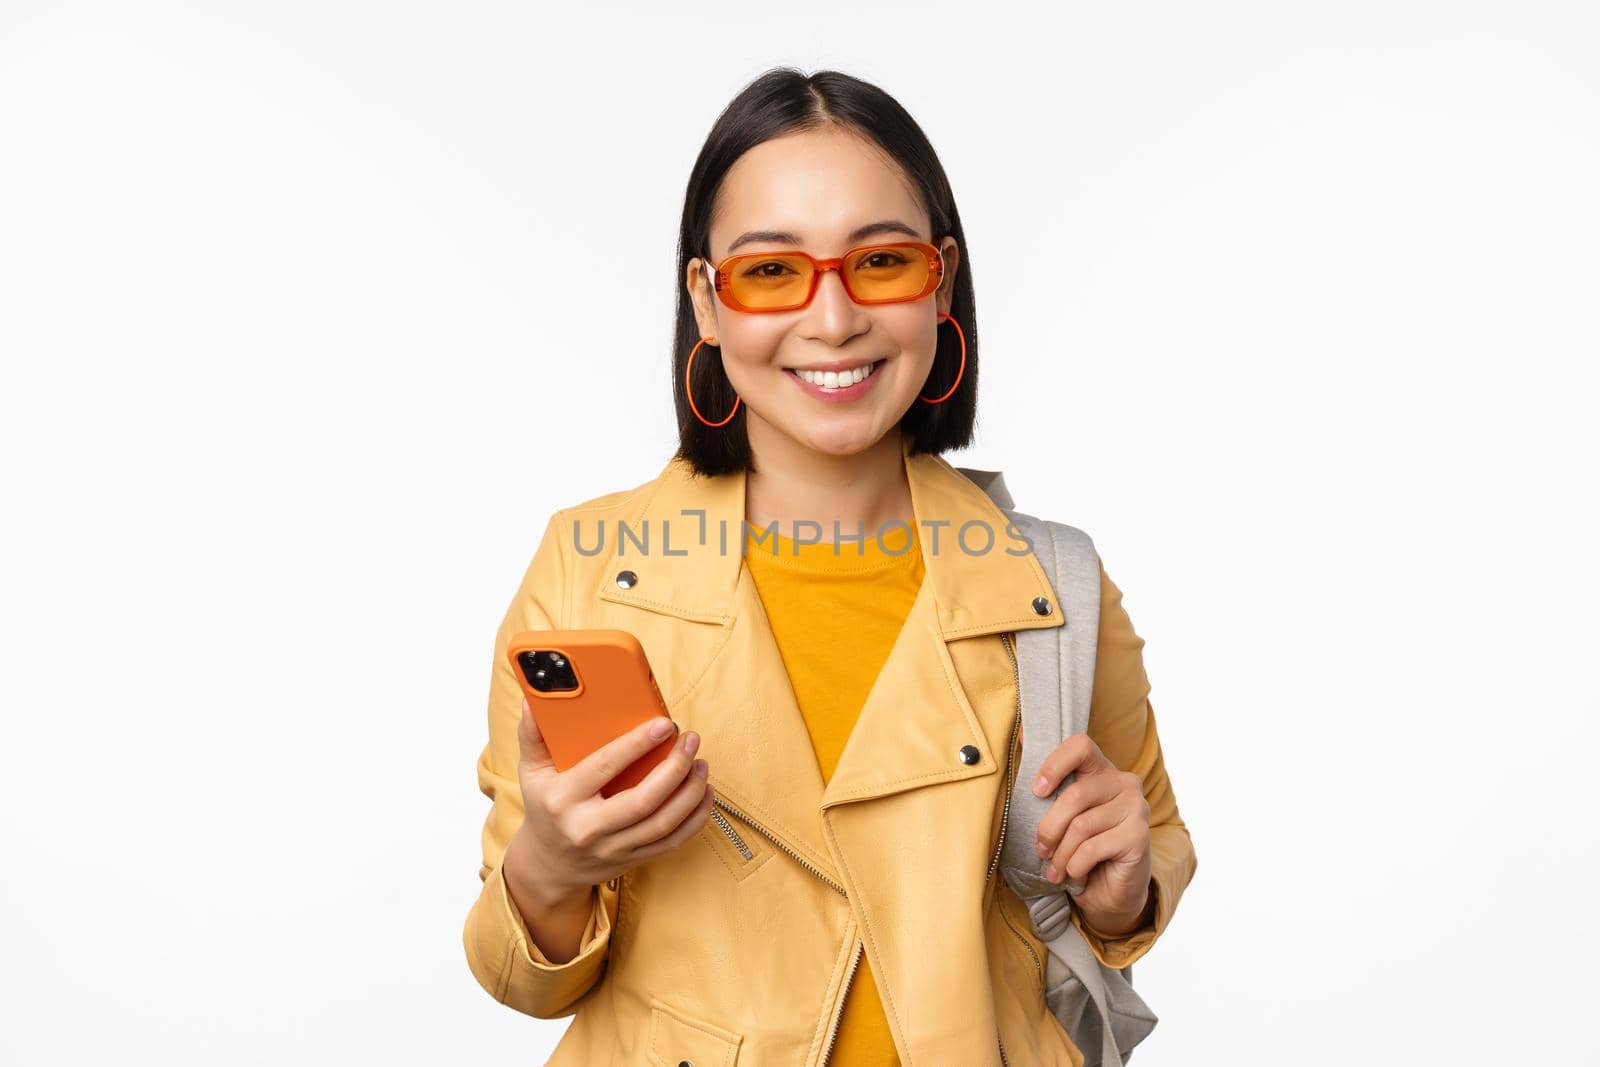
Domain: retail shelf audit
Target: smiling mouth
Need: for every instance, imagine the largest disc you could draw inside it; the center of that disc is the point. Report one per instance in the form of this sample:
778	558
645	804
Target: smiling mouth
837	379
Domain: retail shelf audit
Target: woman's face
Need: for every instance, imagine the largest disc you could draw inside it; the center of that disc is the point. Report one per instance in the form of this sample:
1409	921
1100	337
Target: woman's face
823	188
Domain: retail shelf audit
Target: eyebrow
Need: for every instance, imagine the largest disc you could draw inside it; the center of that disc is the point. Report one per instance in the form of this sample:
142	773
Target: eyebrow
785	237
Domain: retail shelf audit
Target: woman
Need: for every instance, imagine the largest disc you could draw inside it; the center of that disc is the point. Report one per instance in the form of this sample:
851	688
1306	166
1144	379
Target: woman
811	876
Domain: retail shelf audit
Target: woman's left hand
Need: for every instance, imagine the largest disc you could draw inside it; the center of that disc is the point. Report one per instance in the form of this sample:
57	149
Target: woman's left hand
1097	833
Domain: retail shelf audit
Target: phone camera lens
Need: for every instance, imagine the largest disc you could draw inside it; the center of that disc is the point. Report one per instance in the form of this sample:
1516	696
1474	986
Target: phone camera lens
548	672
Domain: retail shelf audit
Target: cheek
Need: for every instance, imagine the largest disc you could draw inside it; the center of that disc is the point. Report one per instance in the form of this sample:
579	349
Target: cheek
750	345
914	331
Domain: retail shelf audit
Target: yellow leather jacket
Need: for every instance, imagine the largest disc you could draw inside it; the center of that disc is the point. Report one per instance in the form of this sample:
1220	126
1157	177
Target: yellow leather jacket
739	946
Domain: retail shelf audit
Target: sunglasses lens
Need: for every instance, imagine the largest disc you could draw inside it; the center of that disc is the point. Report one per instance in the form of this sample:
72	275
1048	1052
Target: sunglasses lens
887	273
770	281
777	281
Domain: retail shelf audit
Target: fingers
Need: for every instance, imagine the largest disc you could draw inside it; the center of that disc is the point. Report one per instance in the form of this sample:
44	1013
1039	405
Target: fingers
534	754
612	758
1070	858
690	826
1090	817
1103	852
1076	754
637	802
1083	795
685	802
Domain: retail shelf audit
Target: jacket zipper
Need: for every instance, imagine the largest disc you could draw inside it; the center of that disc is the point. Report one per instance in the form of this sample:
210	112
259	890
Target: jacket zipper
1037	965
1005	812
1005	816
838	1016
744	850
1011	746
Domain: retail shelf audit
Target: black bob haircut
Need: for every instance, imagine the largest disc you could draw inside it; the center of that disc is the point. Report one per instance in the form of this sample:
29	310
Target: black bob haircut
784	101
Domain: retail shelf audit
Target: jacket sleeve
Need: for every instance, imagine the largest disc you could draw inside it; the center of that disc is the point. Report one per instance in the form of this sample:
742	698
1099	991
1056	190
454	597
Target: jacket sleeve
502	957
1123	724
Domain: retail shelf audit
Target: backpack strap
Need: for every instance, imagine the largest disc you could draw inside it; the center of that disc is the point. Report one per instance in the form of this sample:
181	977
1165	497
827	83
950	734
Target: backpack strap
991	482
1055	671
1095	1004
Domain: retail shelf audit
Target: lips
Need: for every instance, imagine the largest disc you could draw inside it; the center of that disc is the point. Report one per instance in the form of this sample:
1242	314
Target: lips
836	380
838	394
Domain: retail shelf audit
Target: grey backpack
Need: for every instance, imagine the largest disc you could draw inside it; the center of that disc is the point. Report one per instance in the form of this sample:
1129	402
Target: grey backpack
1095	1004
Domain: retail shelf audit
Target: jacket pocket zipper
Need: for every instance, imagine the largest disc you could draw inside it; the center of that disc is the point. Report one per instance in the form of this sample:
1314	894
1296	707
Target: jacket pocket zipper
718	802
731	833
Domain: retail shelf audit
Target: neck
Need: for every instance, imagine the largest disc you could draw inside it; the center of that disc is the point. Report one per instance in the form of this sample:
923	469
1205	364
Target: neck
789	483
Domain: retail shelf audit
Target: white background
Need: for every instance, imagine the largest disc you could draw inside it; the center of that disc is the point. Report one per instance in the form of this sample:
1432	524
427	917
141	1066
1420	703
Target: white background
309	321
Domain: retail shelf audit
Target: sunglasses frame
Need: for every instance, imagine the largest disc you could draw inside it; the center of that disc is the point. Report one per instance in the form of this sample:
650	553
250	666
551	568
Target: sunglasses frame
720	275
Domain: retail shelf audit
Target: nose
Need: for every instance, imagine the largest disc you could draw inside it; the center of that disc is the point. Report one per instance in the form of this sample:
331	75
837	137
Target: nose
833	317
830	288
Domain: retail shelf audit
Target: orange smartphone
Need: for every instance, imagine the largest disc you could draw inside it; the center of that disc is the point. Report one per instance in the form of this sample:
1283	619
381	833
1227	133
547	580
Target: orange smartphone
585	689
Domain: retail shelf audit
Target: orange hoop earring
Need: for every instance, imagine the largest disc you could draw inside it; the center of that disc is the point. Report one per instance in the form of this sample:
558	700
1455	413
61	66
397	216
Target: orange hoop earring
689	389
959	370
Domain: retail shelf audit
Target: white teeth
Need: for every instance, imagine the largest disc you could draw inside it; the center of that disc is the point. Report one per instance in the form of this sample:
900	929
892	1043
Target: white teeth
836	379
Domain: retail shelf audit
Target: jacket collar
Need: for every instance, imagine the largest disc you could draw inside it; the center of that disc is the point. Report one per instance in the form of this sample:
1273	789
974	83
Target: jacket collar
687	530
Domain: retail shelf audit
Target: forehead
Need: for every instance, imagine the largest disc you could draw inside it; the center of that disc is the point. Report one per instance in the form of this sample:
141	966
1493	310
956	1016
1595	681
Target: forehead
817	185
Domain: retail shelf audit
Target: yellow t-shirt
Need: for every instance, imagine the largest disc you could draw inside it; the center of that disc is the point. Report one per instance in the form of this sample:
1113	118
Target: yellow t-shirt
835	618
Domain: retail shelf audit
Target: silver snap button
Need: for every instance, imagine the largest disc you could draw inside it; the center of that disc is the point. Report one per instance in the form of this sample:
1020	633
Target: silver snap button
626	579
969	754
1041	606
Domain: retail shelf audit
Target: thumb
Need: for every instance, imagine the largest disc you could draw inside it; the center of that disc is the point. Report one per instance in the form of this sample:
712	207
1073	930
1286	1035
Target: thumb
534	753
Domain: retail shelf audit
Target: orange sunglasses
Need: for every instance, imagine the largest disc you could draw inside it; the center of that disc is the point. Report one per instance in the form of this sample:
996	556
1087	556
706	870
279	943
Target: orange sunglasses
786	281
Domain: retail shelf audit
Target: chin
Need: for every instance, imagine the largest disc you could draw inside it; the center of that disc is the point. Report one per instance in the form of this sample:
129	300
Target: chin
840	441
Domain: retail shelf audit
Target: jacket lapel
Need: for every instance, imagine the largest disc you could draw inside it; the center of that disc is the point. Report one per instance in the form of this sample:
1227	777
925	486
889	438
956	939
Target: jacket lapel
684	544
917	718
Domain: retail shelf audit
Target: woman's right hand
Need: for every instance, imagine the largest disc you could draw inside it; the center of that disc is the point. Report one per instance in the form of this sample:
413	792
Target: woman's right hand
572	838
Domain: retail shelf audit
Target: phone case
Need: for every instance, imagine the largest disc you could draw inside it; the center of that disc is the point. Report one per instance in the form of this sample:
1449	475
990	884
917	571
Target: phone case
616	690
